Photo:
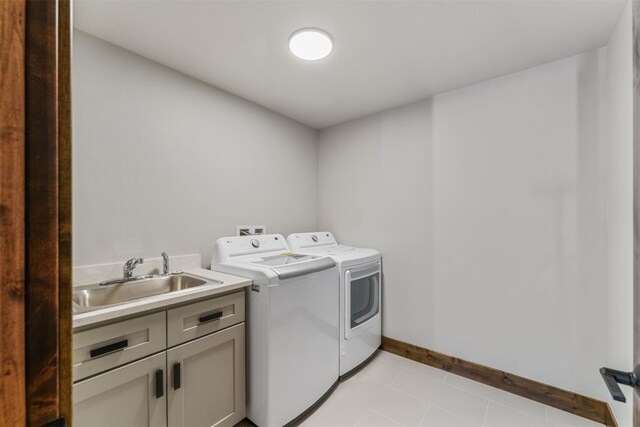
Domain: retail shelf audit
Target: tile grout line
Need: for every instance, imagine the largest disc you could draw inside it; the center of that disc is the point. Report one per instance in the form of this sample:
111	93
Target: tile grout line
431	357
546	417
548	423
395	377
389	387
421	365
404	368
392	384
363	373
432	404
471	393
582	421
424	416
458	415
474	394
402	392
362	417
396	389
385	417
520	411
486	412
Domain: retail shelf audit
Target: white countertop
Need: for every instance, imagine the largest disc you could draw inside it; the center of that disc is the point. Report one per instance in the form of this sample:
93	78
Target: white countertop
158	302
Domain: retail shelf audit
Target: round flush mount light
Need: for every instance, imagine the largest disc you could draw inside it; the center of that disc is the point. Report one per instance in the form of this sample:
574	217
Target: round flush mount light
310	44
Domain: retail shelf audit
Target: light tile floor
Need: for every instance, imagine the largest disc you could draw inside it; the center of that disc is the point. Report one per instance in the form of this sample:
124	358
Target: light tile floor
394	391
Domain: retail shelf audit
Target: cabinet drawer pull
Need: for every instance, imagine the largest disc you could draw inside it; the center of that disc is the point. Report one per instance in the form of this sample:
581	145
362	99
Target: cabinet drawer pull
101	351
176	376
210	317
159	383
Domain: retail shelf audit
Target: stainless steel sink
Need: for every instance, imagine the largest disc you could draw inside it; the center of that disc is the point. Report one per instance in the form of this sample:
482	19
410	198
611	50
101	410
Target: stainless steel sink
93	297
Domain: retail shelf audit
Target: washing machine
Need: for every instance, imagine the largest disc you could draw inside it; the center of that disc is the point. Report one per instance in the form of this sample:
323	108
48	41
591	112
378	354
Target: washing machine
292	324
360	294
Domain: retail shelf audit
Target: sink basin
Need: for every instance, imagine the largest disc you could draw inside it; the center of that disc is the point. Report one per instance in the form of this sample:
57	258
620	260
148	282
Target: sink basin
92	297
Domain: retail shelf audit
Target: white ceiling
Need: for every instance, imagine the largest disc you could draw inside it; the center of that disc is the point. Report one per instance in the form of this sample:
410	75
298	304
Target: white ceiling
387	53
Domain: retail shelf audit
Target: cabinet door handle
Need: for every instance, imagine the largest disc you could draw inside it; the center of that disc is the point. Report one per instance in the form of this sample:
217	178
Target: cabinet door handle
210	317
176	376
110	348
159	383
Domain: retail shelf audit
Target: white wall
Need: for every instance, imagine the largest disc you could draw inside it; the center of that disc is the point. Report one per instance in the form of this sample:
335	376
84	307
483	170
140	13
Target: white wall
507	272
164	162
488	206
620	205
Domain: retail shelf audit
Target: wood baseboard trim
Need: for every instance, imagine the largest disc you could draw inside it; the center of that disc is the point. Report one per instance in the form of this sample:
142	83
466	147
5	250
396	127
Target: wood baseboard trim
610	419
583	406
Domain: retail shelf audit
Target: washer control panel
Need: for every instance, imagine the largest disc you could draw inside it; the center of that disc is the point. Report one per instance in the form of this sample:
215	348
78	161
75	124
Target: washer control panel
301	241
229	247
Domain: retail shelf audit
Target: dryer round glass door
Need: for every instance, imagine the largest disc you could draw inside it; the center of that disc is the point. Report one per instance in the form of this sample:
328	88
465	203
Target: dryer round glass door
362	299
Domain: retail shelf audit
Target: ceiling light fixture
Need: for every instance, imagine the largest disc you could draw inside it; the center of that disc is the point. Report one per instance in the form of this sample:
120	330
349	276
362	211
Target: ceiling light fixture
310	44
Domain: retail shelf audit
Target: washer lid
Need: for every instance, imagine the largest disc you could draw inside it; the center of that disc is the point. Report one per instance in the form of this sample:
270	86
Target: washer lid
355	256
347	256
272	268
281	259
298	269
341	250
288	265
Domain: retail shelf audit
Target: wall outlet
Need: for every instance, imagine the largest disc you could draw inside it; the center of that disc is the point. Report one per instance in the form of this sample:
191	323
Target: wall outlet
251	230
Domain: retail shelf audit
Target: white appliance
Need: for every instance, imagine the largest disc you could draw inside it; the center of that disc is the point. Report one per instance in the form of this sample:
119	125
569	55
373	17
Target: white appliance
360	294
292	322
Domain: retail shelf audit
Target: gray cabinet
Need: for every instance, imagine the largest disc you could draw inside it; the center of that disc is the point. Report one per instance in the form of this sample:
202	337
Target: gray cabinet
200	382
132	395
207	380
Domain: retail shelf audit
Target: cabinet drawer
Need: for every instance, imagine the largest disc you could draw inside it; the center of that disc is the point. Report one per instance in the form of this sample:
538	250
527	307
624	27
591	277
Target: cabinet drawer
195	320
99	349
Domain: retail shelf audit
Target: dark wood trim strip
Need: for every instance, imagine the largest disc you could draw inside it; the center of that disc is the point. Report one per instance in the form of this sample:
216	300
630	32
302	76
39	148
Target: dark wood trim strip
65	34
12	243
42	252
564	400
610	419
635	13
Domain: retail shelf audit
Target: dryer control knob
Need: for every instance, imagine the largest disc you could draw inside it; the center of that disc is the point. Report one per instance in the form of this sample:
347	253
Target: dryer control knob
314	238
255	243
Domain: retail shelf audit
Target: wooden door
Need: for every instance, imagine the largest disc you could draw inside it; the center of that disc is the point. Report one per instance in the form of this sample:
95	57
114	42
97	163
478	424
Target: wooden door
12	238
35	213
132	395
207	380
48	210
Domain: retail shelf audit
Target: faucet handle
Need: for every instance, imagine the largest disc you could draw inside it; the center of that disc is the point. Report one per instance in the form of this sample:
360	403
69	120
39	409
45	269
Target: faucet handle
128	267
165	263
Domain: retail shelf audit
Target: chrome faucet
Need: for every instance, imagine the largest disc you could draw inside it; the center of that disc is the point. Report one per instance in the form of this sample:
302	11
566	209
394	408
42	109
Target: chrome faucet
165	263
129	266
127	273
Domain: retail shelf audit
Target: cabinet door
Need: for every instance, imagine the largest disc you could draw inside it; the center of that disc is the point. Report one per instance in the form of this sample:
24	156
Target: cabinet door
206	380
133	396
